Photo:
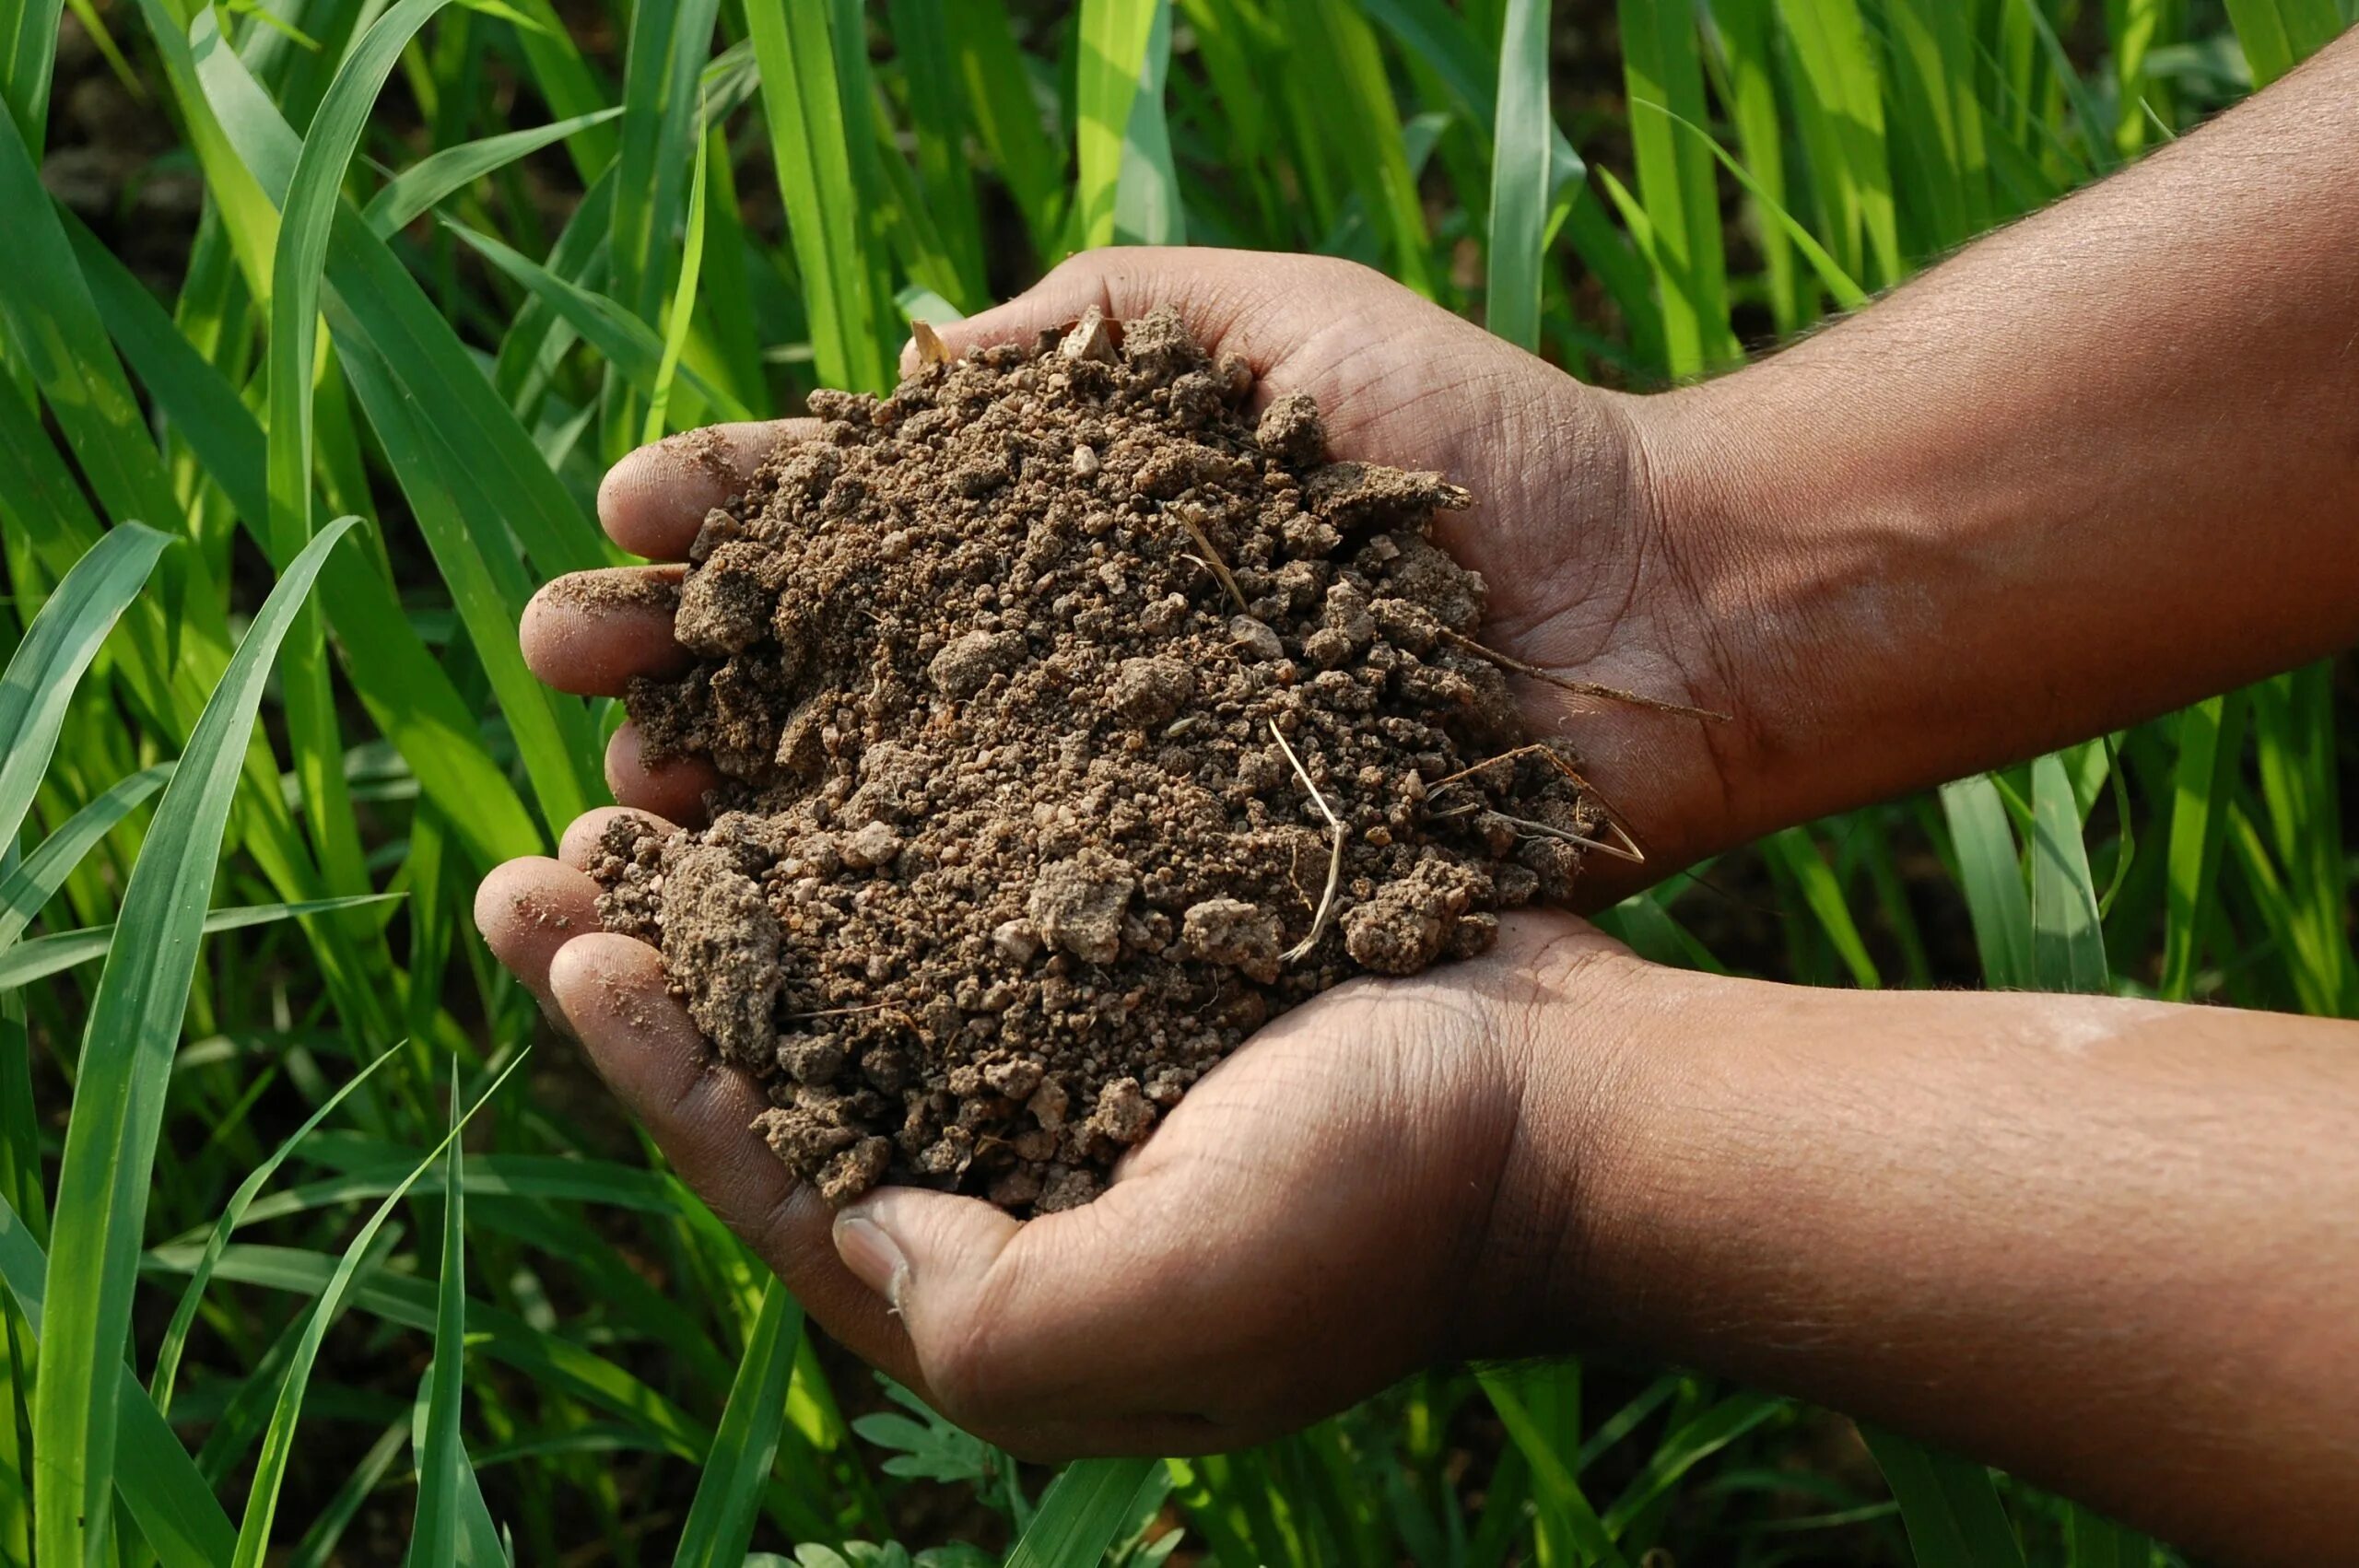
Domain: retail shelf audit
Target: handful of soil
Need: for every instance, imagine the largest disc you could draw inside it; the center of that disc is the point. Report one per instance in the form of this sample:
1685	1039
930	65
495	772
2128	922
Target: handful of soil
1073	722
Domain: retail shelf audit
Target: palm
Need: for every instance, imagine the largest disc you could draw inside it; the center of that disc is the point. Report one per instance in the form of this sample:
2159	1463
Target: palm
1360	1138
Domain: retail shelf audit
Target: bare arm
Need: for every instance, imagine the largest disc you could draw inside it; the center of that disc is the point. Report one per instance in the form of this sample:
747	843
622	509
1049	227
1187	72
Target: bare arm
2111	1245
2097	465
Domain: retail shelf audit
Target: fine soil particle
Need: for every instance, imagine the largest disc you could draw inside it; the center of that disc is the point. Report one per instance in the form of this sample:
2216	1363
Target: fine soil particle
1044	691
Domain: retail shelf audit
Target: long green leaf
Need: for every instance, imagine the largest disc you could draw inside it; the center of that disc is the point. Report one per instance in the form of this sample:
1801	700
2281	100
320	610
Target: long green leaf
427	183
278	1440
176	1511
436	1538
803	106
2211	737
721	1519
110	1137
1081	1514
36	882
2067	938
1661	63
168	1354
1519	149
44	956
1552	1480
1952	1510
58	648
1990	870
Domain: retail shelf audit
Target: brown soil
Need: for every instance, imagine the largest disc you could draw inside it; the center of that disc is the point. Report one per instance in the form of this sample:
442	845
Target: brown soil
1033	686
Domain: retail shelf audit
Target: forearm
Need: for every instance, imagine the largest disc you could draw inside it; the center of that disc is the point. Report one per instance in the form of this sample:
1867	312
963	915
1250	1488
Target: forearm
2111	1245
2101	463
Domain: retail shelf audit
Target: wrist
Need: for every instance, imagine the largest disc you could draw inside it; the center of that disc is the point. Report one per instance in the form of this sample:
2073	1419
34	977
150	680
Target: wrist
1598	1059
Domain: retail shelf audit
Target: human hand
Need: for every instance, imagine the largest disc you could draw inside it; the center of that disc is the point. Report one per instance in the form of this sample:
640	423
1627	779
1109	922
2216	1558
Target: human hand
1376	1103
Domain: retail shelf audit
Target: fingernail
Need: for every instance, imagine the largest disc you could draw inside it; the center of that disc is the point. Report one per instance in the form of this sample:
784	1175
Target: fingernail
872	1256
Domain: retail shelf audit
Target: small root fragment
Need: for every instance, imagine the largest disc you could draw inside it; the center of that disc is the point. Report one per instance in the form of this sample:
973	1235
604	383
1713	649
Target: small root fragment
1579	689
1627	850
1212	559
1335	858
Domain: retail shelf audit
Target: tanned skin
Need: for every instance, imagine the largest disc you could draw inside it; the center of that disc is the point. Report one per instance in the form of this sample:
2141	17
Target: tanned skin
2099	464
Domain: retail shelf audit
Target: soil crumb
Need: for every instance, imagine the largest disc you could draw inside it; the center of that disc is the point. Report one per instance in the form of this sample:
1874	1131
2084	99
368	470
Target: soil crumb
1073	722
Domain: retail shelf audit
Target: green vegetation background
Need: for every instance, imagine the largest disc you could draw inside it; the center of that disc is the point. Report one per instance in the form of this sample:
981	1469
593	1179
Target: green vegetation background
262	1303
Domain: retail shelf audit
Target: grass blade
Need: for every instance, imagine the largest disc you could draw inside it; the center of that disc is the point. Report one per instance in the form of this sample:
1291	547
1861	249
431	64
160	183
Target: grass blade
58	648
24	891
2067	937
110	1137
684	307
1519	155
720	1521
44	956
2210	739
278	1440
1950	1507
2278	35
1992	872
1795	852
436	1536
1661	63
1552	1482
168	1354
434	179
803	108
1083	1513
174	1508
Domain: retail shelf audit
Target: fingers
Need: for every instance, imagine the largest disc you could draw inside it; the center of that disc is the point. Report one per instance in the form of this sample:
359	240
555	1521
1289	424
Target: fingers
579	846
643	1043
1235	301
528	908
588	633
674	787
652	502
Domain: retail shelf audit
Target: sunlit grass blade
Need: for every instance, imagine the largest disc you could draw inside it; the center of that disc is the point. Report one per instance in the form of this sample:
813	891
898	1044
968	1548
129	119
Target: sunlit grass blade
58	646
1839	111
1553	1485
135	1022
1845	291
1147	196
278	1444
1334	41
2066	939
176	1511
1006	119
1795	853
2278	35
1661	64
167	1353
1081	1514
44	956
1113	43
1519	152
1748	80
2211	737
435	177
803	106
684	307
1990	872
1951	1508
720	1521
37	880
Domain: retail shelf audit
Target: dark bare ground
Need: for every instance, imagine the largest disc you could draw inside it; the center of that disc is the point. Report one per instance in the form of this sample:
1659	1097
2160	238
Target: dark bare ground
1033	686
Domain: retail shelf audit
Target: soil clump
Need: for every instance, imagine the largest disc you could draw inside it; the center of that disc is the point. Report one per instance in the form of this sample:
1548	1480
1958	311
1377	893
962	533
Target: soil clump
1073	722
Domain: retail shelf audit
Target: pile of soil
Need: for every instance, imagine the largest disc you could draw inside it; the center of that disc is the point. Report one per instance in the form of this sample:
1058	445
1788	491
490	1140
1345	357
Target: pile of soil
1073	722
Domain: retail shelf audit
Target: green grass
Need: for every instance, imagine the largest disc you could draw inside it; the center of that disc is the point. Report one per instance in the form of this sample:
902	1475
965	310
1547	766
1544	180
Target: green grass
452	260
